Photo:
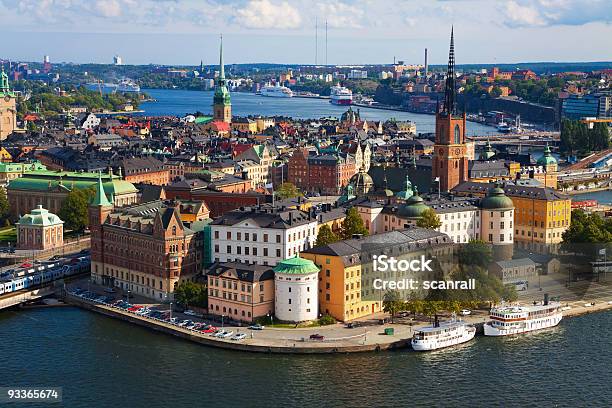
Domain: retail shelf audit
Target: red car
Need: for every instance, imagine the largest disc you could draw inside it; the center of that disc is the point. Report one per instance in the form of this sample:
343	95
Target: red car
134	308
211	329
316	337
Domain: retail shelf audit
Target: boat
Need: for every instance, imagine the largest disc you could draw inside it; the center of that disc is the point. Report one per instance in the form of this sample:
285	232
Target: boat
127	85
441	335
104	87
509	320
276	91
503	127
340	95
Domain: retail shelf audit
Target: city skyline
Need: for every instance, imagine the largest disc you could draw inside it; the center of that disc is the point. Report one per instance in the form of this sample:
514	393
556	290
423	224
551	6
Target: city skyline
257	31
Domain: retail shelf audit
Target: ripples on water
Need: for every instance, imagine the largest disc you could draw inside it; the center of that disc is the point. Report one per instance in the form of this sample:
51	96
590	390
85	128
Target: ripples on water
105	363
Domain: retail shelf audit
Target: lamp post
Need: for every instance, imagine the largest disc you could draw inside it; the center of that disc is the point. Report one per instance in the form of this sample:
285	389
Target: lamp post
271	319
170	310
222	316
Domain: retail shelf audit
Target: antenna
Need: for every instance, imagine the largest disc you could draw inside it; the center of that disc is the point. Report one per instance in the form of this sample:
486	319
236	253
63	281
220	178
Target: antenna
325	42
316	39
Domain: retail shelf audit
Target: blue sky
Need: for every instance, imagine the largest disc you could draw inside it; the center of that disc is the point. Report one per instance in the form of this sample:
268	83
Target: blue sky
283	31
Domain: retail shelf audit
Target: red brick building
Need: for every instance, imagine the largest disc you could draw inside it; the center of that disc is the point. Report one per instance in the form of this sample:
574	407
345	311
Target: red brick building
323	173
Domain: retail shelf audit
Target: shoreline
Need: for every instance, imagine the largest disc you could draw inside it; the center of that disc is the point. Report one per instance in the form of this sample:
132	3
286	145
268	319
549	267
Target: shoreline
293	346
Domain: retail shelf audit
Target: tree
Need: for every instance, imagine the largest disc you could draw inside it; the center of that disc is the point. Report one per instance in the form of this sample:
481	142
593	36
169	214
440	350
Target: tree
353	224
392	303
476	253
431	308
74	209
429	219
4	207
325	236
191	293
288	190
588	229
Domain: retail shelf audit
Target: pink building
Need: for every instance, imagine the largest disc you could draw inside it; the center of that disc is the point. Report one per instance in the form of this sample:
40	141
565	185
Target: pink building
40	230
240	291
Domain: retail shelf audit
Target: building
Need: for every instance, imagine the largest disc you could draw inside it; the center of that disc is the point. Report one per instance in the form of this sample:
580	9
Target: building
262	235
8	107
146	170
595	105
514	270
256	161
325	173
89	121
450	161
345	265
541	214
106	141
222	107
240	291
11	171
145	249
40	230
50	188
245	125
296	290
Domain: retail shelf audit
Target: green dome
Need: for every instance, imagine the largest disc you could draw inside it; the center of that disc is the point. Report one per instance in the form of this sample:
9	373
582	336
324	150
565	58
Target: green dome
407	192
547	158
362	182
496	199
296	266
414	207
40	216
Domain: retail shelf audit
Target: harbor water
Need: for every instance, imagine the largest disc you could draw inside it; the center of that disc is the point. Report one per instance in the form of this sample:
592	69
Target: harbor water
101	362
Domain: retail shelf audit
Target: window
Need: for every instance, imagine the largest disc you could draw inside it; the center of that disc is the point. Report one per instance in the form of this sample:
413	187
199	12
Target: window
265	251
254	237
229	235
216	234
278	253
490	237
229	249
265	237
278	238
254	251
457	134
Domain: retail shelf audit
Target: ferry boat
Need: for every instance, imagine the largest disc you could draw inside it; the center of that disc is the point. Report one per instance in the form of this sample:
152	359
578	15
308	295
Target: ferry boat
442	335
509	320
340	95
276	91
127	85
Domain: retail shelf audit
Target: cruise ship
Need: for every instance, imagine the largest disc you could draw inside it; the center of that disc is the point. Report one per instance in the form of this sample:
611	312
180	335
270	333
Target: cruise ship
340	95
442	335
276	91
509	320
127	85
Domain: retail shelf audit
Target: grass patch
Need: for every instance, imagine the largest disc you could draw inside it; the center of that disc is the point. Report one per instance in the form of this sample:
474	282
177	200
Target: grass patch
8	234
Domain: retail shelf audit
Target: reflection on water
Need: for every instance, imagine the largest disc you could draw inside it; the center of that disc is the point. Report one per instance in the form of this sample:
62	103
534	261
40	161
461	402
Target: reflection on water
105	363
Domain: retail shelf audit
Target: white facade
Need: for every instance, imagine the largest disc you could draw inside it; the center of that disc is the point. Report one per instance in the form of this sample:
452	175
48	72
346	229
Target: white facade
497	226
296	297
247	242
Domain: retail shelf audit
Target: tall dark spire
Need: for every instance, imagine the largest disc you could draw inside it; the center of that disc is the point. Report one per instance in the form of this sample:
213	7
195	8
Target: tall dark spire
450	100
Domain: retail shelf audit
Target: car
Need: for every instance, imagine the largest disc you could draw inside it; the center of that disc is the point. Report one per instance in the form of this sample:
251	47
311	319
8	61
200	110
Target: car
185	323
211	329
134	308
173	320
317	337
465	312
256	327
109	290
403	314
217	332
190	325
239	337
190	312
226	335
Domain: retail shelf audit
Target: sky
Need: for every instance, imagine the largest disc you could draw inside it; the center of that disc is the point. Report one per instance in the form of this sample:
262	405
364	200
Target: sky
183	32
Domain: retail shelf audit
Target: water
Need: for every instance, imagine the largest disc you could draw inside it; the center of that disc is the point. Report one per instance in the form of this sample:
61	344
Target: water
180	103
101	362
602	197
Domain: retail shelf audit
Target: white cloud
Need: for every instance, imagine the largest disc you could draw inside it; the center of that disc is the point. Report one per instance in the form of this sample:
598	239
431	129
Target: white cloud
520	15
524	13
261	14
108	8
342	15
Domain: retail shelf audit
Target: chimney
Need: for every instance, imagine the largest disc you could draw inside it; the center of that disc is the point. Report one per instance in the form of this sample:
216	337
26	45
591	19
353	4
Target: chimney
546	299
426	66
290	217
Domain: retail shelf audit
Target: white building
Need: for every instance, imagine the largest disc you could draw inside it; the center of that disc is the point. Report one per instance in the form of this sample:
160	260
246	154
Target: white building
296	288
262	235
357	74
117	60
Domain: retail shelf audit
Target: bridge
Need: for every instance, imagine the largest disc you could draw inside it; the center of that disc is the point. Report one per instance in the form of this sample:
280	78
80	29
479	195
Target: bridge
26	295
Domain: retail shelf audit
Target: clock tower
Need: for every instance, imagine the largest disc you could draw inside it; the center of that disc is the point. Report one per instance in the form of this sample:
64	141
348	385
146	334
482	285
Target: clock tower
8	107
450	163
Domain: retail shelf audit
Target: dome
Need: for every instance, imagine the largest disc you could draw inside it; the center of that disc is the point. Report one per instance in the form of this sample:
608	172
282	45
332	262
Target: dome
547	158
414	207
296	266
40	216
362	182
496	199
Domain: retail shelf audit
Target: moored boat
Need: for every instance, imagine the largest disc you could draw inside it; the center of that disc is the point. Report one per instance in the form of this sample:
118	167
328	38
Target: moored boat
442	335
509	320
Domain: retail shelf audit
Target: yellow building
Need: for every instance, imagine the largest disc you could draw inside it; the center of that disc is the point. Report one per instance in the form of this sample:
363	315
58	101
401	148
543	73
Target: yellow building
244	125
541	215
5	156
346	287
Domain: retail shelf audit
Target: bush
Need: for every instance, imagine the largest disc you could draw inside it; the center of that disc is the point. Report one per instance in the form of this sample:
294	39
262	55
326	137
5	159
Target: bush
326	320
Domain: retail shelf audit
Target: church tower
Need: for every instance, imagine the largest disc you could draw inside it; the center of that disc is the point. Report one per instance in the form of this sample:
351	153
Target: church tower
8	107
222	107
450	163
99	209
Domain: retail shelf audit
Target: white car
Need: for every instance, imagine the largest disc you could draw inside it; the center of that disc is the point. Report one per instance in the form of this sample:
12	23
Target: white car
239	336
465	312
190	313
218	333
227	335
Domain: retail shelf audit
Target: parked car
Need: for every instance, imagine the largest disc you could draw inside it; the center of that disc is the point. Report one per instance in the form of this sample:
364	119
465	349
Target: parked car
190	312
465	312
239	336
210	329
217	332
109	290
317	337
226	335
256	327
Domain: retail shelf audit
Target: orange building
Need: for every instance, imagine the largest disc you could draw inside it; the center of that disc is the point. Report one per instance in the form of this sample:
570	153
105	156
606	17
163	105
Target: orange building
146	170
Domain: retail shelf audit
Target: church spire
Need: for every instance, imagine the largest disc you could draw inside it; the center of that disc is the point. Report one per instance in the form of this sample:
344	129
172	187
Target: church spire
100	199
221	65
450	102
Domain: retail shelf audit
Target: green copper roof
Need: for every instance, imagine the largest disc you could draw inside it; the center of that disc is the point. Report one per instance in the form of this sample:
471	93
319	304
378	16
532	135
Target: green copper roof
46	180
496	199
296	266
203	119
547	158
488	152
414	207
100	199
222	95
4	84
40	216
407	192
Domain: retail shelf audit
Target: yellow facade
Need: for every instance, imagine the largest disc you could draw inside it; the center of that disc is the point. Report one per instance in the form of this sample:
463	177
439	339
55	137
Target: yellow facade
541	221
248	126
340	288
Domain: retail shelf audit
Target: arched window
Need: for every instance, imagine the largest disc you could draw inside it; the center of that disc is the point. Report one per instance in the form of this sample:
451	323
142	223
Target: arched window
457	134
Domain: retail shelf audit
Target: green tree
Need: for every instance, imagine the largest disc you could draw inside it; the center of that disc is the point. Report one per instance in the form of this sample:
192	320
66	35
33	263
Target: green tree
431	308
392	303
190	293
74	209
325	236
588	229
288	190
353	224
476	252
4	207
429	219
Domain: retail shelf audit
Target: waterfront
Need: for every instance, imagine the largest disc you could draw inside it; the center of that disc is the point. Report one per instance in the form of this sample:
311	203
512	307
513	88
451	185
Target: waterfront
180	103
99	362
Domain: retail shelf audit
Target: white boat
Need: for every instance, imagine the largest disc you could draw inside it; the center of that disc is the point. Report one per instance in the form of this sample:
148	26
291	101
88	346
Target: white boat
509	320
276	91
127	85
442	335
340	95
